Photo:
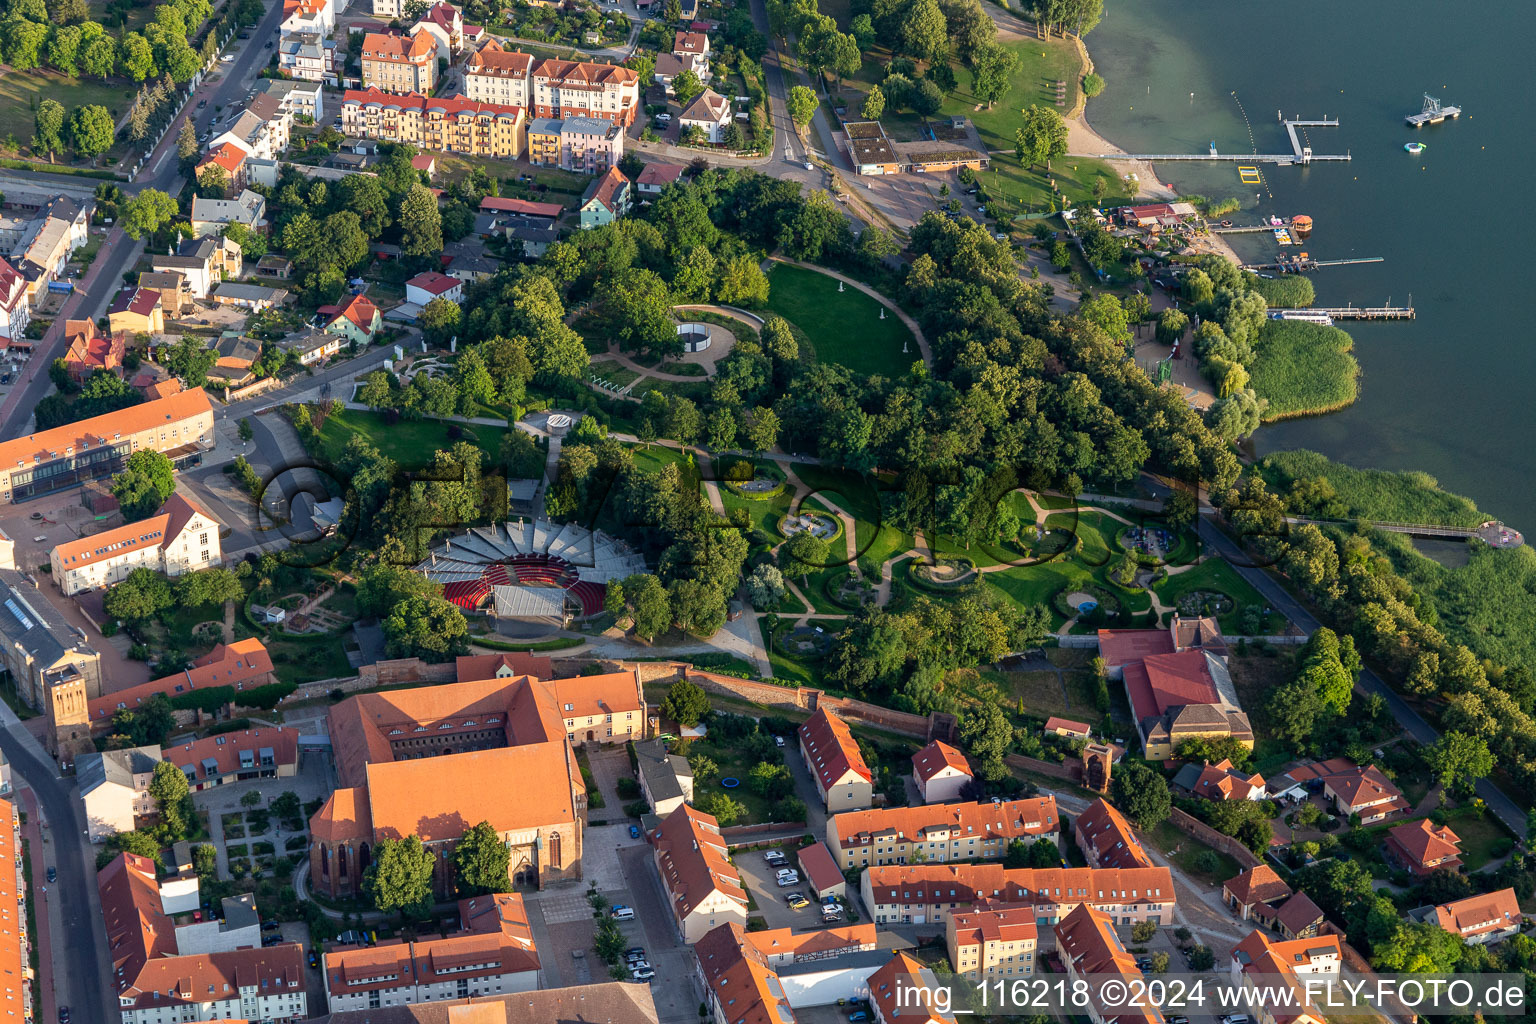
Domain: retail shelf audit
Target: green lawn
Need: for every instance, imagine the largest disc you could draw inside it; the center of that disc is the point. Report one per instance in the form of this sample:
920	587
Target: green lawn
20	92
1165	838
1482	838
1303	369
843	327
763	515
409	442
873	540
1216	574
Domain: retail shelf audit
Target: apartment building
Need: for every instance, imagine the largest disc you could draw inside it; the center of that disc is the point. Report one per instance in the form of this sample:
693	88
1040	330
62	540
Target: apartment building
1292	968
992	942
1107	839
15	307
180	427
203	262
1090	950
927	894
242	665
494	74
309	57
1486	918
901	992
940	770
212	216
565	88
399	64
298	99
452	124
703	886
843	780
41	246
16	997
180	538
491	954
937	833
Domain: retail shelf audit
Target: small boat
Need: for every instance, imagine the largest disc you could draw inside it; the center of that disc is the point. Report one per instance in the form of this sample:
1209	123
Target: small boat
1414	147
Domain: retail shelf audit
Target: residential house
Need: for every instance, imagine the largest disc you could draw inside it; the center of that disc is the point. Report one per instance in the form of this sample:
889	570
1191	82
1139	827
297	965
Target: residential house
399	64
1090	949
300	100
1068	729
180	538
666	781
203	262
448	124
254	297
738	981
710	113
212	216
703	887
937	833
618	1001
15	307
151	381
1297	918
175	295
243	665
581	145
1483	919
906	992
1273	972
1366	792
655	177
1321	955
39	648
260	130
49	460
236	354
136	311
114	784
692	50
1424	847
564	89
444	23
941	772
1107	839
156	981
1259	886
356	319
310	57
1178	684
472	267
114	789
312	345
1220	781
89	350
15	956
535	234
605	200
843	780
43	245
992	942
926	894
425	287
274	266
497	75
317	17
491	954
426	163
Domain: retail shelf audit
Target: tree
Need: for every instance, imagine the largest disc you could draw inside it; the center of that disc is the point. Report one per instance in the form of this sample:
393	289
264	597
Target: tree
421	225
649	605
205	861
742	283
1201	958
425	627
925	97
1042	137
686	87
992	66
190	360
923	33
772	781
725	810
91	131
211	586
1421	947
140	844
187	146
1459	759
400	877
48	123
172	796
874	102
99	56
212	182
1142	795
801	104
481	862
149	211
1093	84
986	734
765	587
64	49
803	554
685	703
439	320
142	594
144	484
863	29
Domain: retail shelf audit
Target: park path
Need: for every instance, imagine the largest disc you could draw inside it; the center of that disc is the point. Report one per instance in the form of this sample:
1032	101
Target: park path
802	490
901	314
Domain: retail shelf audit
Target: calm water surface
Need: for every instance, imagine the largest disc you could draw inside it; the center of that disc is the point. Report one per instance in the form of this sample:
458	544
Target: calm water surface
1449	393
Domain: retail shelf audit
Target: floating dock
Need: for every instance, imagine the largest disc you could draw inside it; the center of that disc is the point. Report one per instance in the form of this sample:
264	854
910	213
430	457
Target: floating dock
1433	113
1298	265
1300	154
1357	312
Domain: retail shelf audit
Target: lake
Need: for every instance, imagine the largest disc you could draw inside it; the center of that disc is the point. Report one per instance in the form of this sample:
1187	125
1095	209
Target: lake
1446	393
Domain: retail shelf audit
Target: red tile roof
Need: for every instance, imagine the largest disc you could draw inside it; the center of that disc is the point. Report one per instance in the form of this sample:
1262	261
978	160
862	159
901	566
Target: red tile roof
1086	939
228	156
1477	915
442	798
1110	838
831	751
359	309
1362	787
1013	819
966	883
988	923
693	862
13	957
236	664
344	816
937	756
904	975
660	174
820	869
224	751
607	189
432	281
1119	646
526	207
1424	844
494	59
1259	884
398	49
570	72
1068	726
102	430
737	974
156	531
485	666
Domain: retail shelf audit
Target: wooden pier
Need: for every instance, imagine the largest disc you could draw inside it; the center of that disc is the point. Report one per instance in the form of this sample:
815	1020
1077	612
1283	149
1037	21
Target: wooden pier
1299	154
1357	312
1433	113
1301	266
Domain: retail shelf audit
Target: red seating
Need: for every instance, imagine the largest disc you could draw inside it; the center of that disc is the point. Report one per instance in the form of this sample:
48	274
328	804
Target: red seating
590	595
467	594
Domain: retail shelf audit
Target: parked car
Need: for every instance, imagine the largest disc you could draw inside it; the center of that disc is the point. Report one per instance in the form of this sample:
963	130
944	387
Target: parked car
645	975
778	741
789	879
270	926
634	831
858	1016
797	901
775	858
314	959
63	1015
201	104
635	953
228	58
640	966
622	913
53	872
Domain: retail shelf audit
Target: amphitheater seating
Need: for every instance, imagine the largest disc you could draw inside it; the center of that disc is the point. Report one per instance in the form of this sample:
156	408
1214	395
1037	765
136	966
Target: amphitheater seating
467	594
591	596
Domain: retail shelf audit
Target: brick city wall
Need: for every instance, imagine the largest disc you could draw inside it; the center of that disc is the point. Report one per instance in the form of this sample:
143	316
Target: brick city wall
1200	830
1071	771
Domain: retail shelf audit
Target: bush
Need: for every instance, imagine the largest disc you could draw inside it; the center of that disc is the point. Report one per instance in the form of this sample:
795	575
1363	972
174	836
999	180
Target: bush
628	788
637	809
1093	84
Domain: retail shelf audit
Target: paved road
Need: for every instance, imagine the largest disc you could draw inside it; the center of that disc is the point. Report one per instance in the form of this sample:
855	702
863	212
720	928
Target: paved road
87	983
119	252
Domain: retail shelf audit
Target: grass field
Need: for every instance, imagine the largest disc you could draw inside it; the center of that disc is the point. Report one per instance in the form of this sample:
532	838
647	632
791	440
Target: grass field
409	442
1166	838
1304	369
844	327
1216	574
20	92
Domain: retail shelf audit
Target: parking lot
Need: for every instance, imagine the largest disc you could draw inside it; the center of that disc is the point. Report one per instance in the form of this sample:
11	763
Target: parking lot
761	881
